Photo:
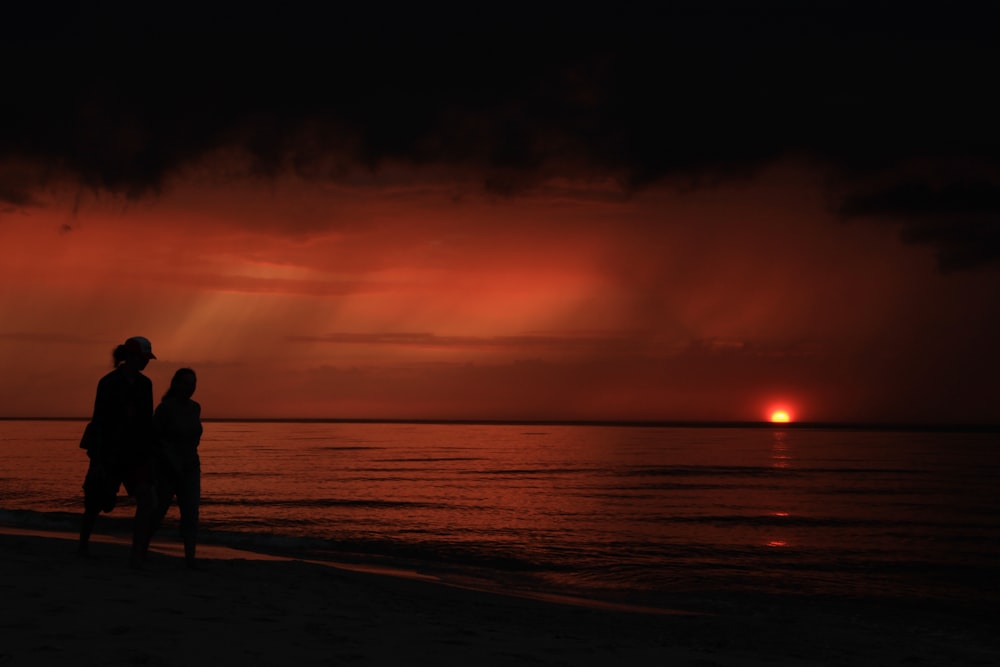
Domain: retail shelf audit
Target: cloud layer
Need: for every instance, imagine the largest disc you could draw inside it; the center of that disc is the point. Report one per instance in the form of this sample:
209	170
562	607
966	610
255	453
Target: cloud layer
122	100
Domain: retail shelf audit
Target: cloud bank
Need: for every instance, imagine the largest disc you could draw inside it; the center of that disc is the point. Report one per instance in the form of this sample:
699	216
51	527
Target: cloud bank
123	99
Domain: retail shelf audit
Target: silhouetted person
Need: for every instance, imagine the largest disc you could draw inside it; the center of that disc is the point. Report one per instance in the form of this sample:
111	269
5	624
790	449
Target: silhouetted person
177	423
119	442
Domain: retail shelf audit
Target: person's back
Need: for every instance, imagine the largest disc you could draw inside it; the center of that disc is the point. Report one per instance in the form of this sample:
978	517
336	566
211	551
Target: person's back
178	429
123	417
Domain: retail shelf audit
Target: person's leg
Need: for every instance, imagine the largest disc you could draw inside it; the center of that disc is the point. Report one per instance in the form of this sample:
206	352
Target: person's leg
99	493
86	528
144	506
189	502
141	527
163	494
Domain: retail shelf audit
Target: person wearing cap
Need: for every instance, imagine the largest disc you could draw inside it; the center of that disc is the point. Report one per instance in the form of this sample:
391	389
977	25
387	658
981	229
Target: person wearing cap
119	443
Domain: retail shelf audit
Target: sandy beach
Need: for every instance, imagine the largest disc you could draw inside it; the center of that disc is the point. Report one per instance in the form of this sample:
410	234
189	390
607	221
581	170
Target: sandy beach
245	608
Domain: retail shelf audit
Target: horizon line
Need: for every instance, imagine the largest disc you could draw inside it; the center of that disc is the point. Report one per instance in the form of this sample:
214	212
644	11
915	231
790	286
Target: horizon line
985	427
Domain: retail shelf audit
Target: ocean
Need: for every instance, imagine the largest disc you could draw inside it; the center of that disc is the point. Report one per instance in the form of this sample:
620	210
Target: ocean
638	514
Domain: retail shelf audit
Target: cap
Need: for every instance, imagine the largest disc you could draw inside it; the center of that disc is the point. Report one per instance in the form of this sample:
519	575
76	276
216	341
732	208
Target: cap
143	345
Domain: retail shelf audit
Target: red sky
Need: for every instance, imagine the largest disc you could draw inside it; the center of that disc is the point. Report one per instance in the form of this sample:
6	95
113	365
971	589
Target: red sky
418	299
636	227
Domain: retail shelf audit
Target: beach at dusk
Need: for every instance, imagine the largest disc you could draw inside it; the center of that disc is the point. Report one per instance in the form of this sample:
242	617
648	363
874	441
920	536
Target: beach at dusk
503	544
514	333
245	608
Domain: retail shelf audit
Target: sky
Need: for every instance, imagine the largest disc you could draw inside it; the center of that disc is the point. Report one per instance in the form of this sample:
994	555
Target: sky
706	211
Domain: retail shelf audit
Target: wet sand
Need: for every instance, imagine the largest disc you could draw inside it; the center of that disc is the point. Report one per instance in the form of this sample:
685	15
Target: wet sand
246	608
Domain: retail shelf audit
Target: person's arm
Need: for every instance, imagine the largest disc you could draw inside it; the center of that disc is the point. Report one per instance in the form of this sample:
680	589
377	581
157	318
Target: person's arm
147	412
197	413
99	436
164	435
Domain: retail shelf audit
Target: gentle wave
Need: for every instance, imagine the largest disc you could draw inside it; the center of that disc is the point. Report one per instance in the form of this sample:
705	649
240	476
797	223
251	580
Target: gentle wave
581	510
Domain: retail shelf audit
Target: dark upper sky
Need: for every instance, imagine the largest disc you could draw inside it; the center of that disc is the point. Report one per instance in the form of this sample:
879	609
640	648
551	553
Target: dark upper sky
900	101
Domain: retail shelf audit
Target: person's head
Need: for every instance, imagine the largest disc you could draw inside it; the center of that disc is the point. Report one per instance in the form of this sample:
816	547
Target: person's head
182	385
136	352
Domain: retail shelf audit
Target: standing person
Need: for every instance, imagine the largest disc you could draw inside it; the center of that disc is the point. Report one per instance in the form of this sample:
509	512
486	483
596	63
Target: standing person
177	423
119	442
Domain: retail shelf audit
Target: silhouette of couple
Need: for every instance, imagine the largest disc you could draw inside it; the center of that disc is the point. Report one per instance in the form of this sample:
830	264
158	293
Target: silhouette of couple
153	453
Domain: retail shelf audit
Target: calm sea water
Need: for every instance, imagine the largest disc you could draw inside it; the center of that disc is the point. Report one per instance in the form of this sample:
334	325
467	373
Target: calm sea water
625	513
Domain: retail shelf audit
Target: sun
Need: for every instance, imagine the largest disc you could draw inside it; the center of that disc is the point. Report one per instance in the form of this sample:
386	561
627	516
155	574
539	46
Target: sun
780	417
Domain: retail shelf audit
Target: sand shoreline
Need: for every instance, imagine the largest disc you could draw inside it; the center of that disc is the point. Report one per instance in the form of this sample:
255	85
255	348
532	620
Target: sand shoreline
251	607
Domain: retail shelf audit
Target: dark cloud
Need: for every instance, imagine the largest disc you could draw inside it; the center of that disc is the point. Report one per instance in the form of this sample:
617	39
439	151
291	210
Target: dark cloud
557	341
45	338
960	219
120	98
597	344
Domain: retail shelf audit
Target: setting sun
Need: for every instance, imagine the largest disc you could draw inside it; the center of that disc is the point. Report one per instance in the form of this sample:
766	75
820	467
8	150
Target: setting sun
780	417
